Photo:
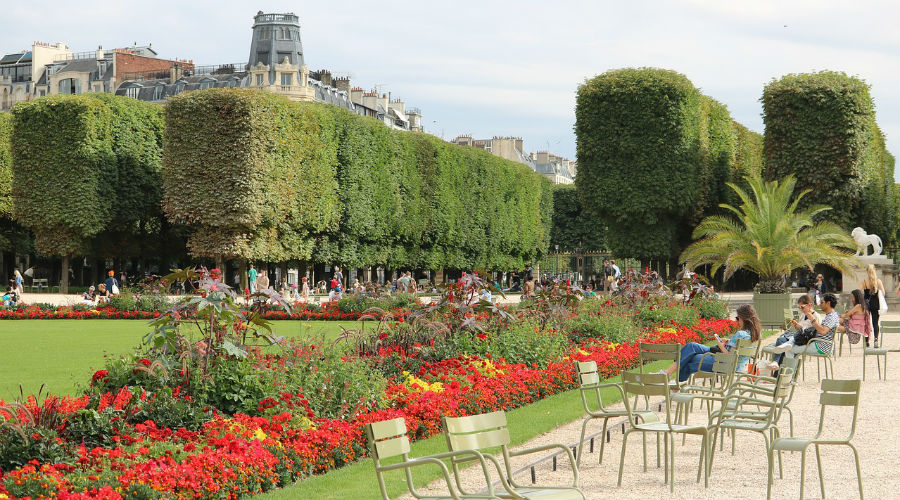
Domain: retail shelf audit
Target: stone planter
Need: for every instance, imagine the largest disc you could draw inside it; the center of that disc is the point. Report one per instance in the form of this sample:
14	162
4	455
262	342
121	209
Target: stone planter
770	308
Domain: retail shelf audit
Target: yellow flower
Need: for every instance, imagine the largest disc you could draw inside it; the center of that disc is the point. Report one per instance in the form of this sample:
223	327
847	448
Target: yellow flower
259	435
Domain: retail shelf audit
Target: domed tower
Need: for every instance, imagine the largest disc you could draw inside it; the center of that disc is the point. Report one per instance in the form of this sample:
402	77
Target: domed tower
276	54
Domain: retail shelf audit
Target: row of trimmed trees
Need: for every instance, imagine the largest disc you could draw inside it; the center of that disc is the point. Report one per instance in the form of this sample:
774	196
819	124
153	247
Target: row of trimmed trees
654	156
243	175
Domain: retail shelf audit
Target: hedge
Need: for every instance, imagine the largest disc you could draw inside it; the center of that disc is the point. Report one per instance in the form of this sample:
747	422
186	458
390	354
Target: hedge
821	128
5	166
64	170
571	225
331	186
250	173
653	158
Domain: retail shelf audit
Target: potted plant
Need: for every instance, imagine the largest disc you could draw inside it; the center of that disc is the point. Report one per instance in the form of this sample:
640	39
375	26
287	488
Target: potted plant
769	235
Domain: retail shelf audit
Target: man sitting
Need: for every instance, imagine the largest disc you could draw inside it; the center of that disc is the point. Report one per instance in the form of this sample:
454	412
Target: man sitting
819	330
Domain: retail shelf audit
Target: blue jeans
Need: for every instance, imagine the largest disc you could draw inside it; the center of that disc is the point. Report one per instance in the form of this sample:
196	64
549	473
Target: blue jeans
690	360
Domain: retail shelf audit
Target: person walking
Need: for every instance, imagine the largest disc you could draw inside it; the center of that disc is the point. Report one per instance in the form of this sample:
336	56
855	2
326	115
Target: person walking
871	287
252	275
304	291
820	289
339	276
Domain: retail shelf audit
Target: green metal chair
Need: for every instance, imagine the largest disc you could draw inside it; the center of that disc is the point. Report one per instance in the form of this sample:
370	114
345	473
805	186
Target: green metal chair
388	439
834	393
767	402
823	351
713	385
767	383
660	352
591	397
657	384
879	351
488	430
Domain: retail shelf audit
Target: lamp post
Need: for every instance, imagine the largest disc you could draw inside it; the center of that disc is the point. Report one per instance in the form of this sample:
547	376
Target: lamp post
557	260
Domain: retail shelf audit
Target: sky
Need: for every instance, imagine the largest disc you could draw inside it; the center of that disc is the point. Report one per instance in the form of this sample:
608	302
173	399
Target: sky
499	68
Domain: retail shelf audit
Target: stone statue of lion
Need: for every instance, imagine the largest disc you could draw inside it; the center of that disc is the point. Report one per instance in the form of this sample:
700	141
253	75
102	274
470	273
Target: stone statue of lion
863	241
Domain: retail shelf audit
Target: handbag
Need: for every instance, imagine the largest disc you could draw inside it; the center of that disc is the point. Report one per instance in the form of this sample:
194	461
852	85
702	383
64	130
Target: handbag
115	289
882	304
805	336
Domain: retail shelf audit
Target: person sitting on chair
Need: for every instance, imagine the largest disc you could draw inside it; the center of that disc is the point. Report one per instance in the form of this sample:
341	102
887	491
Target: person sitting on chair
692	353
820	330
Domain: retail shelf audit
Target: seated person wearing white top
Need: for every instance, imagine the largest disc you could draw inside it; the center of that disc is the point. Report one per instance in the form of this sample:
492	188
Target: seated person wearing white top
824	329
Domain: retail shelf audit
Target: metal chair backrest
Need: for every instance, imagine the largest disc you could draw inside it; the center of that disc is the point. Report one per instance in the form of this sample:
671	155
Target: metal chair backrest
724	367
388	439
660	352
589	379
749	348
477	432
647	385
788	316
887	327
839	393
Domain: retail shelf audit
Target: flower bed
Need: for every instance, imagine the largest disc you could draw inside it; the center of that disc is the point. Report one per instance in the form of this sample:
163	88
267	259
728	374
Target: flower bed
325	312
229	457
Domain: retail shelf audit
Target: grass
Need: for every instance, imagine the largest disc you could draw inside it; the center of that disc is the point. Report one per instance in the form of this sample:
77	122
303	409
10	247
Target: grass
62	354
358	480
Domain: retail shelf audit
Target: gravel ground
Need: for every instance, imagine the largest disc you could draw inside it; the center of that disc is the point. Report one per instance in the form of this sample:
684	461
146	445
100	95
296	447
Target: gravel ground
743	475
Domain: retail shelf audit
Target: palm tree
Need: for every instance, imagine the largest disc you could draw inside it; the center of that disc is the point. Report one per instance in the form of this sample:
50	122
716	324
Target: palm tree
770	236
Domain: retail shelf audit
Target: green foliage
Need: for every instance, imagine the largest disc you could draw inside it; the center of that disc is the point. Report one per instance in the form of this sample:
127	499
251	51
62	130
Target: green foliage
710	308
770	236
346	188
820	127
5	166
521	342
233	385
251	173
336	386
663	313
571	226
613	327
18	445
64	170
652	155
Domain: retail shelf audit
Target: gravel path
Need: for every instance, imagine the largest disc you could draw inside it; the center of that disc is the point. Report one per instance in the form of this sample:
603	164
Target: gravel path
743	475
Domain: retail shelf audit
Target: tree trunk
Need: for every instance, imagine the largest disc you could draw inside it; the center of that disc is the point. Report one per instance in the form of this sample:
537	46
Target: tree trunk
242	271
64	277
220	263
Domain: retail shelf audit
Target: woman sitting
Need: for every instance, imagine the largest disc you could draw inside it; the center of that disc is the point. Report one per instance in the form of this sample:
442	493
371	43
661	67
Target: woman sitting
857	317
102	294
692	353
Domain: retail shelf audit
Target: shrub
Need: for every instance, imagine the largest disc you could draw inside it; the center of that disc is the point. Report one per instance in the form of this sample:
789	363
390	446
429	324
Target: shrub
710	308
5	166
167	410
336	385
19	445
125	301
665	313
521	342
615	328
234	385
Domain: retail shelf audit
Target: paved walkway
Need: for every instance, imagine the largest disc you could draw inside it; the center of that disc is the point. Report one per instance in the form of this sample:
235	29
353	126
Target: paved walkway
734	298
743	475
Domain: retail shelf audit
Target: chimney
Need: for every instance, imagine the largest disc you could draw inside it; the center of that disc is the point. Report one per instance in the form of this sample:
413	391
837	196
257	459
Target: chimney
342	84
325	77
519	144
543	157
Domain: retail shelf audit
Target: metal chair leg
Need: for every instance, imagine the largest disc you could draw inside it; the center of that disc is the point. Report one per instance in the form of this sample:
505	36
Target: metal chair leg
858	472
821	475
581	442
603	439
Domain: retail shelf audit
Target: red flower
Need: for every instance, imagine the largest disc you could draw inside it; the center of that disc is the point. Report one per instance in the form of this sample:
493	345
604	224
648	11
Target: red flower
99	375
383	336
481	336
144	361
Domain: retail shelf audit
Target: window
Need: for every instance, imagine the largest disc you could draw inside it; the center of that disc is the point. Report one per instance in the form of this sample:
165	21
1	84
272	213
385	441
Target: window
265	33
259	80
283	34
262	57
287	79
284	55
68	86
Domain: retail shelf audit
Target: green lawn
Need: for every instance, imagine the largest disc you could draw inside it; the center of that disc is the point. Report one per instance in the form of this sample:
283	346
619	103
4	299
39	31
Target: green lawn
62	354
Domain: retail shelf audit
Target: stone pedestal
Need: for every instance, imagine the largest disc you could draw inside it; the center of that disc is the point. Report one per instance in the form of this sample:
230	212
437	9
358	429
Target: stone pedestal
885	269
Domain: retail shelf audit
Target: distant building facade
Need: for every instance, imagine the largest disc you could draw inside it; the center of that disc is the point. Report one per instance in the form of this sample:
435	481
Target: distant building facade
275	64
556	168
